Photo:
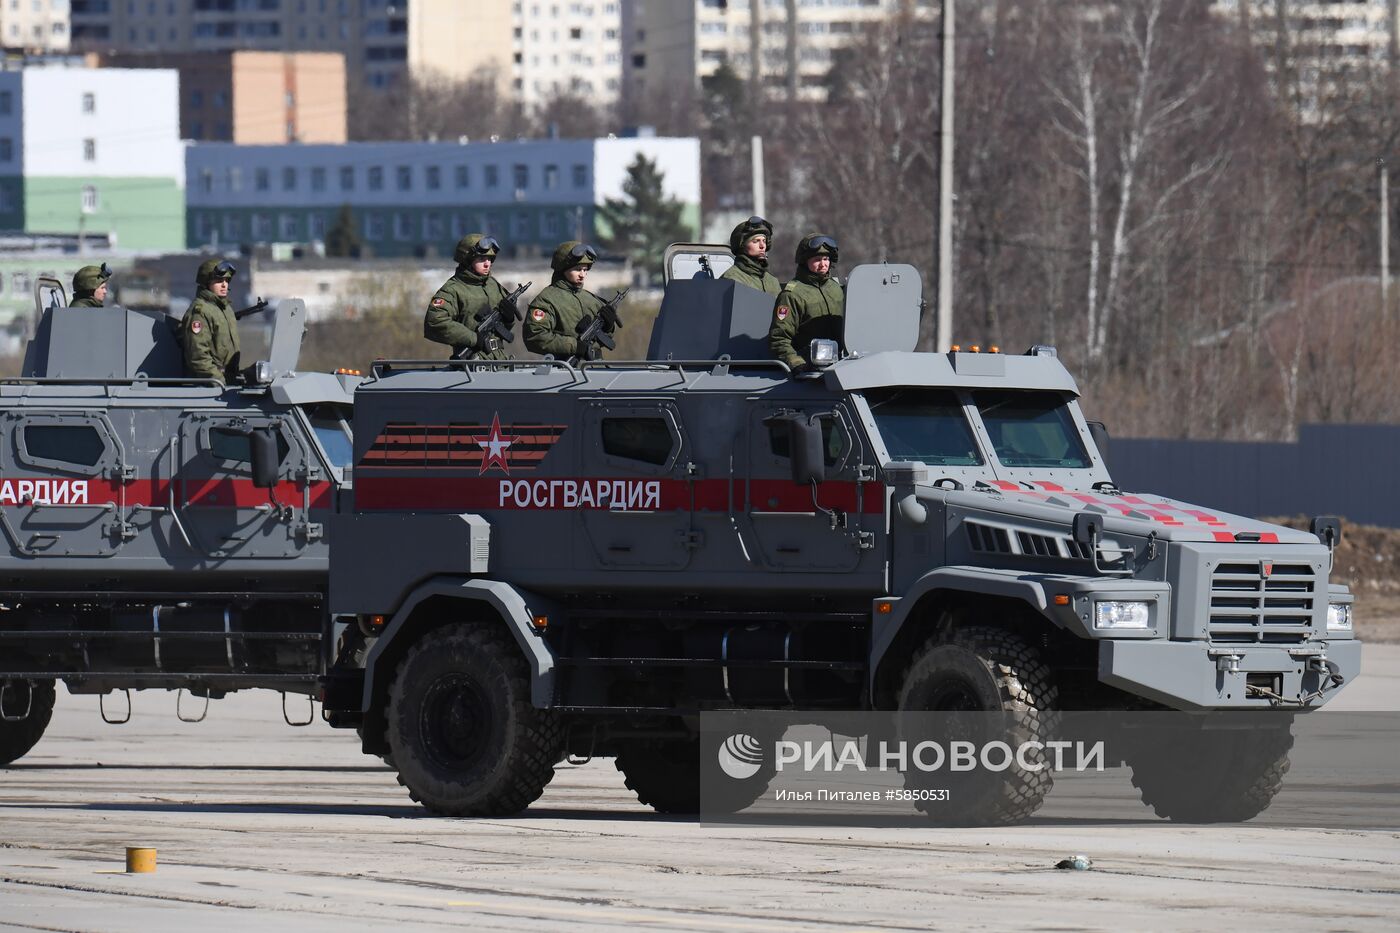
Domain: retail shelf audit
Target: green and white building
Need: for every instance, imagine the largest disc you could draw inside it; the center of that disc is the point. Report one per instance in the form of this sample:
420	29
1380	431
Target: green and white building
93	150
419	198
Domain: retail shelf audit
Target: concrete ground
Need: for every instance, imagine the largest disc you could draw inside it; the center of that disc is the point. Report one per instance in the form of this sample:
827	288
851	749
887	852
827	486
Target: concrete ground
262	826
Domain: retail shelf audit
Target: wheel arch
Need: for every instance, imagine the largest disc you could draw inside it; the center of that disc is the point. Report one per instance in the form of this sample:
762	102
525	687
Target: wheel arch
940	602
444	600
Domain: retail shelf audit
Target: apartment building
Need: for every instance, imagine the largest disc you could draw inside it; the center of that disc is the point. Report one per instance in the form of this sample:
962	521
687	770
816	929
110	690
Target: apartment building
1335	32
93	150
254	98
568	46
418	199
34	25
785	45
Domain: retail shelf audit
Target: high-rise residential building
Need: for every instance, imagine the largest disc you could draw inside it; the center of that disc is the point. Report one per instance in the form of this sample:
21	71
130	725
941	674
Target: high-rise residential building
254	97
1336	33
419	198
93	150
785	45
568	46
34	25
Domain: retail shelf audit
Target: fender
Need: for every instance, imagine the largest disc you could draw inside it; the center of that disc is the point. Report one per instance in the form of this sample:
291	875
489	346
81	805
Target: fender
515	606
985	581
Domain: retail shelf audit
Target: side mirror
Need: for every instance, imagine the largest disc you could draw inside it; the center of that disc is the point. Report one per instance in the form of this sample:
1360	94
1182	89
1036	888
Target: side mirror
1328	529
1087	528
263	443
1099	432
805	446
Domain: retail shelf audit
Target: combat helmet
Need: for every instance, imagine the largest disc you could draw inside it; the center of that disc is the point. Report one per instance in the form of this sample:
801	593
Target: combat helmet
572	253
475	246
89	279
747	230
817	244
214	270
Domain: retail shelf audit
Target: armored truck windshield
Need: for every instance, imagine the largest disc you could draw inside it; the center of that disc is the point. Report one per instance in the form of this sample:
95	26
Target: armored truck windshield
1031	429
927	425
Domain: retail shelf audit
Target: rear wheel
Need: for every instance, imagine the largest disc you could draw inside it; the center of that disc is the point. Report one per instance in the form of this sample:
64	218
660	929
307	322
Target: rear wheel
461	729
998	679
1213	776
667	777
19	736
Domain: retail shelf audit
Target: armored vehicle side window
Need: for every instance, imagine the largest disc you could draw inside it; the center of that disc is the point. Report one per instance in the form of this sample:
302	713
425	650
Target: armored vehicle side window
646	439
233	446
834	441
928	425
328	421
79	444
1031	429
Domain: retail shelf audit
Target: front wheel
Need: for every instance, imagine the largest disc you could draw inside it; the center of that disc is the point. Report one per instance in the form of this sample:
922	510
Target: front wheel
1213	776
34	701
995	688
461	729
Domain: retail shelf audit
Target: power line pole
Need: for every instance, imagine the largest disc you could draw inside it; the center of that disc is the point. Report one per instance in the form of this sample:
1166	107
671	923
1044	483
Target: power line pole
1385	239
945	191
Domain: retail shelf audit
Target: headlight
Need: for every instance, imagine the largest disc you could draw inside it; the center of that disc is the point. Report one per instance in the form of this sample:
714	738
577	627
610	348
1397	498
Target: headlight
1338	617
823	352
1122	614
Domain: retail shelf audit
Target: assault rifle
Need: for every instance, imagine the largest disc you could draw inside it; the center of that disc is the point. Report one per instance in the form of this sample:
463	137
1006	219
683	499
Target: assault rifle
259	306
705	265
595	333
494	324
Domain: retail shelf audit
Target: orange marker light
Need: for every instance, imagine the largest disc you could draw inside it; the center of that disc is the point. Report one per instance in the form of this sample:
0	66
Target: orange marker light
994	349
884	608
1062	600
540	622
377	621
957	348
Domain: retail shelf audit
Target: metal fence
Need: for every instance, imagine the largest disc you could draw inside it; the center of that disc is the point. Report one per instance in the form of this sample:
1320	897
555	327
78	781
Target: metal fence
1334	469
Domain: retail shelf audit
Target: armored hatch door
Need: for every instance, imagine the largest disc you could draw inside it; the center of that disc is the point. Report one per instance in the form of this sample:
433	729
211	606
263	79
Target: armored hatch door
62	489
226	515
837	525
634	485
884	302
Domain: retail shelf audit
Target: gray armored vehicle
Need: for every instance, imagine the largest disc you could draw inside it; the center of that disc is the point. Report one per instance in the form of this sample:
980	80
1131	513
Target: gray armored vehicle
585	558
161	531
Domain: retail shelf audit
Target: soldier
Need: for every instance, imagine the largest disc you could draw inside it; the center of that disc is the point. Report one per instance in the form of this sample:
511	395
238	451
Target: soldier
809	307
451	317
90	286
749	243
209	331
552	324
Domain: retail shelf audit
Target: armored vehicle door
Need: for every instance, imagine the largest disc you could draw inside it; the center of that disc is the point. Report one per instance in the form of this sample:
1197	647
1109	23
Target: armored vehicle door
639	454
837	525
61	484
227	516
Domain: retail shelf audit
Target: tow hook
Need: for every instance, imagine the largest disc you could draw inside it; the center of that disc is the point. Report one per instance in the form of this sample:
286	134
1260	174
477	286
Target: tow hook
1226	660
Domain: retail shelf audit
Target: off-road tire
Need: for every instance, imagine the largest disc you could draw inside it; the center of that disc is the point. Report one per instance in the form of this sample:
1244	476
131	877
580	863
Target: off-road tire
1224	776
666	776
984	669
461	730
18	737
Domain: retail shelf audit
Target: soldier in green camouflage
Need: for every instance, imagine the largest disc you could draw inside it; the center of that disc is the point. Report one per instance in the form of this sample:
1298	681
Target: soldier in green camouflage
551	326
749	243
90	286
451	317
209	330
812	306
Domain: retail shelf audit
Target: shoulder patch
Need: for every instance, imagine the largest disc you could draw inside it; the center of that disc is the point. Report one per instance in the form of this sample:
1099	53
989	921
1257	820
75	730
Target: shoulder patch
438	302
196	326
537	314
782	312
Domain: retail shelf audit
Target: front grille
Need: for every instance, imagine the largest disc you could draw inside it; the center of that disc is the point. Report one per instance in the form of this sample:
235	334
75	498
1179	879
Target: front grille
1251	606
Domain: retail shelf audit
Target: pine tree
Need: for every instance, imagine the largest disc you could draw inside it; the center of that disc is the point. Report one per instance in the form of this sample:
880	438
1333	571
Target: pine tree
644	221
343	238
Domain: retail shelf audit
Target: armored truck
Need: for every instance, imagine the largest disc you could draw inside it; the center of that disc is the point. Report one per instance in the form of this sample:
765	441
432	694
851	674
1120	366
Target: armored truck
540	559
161	531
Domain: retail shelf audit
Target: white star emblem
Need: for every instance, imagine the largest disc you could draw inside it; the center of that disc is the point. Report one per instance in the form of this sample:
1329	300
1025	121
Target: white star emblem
495	446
